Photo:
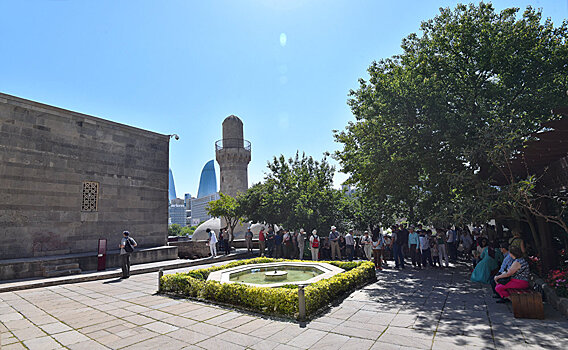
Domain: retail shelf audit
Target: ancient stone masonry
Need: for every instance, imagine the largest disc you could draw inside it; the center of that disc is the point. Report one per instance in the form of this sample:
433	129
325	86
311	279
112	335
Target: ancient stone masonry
68	179
233	154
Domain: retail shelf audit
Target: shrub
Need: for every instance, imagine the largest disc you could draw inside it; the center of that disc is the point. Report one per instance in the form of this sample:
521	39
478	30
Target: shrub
558	279
282	301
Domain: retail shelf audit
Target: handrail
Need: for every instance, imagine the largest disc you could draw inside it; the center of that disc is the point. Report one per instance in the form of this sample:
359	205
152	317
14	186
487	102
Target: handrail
232	143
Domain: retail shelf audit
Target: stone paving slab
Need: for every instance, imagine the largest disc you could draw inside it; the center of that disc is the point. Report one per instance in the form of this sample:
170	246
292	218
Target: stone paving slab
115	272
404	309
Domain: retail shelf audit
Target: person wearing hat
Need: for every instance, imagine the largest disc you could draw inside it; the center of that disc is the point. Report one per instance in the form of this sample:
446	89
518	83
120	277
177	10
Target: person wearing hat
334	240
301	243
126	246
314	245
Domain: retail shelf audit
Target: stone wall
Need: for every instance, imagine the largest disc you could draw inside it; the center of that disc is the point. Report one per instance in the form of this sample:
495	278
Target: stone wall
46	155
191	249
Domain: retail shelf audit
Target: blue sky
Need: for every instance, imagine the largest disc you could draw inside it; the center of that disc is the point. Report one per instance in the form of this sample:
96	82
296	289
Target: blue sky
284	67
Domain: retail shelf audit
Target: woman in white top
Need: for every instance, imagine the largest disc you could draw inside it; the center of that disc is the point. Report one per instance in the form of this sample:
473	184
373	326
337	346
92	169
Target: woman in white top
314	245
212	241
366	243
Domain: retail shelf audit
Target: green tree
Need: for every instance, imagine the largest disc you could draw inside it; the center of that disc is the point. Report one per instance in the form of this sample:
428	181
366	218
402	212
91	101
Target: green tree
227	208
174	230
432	123
296	193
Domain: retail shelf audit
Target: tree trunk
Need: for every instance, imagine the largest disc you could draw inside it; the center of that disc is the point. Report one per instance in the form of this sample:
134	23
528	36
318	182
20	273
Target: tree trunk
499	229
547	254
534	230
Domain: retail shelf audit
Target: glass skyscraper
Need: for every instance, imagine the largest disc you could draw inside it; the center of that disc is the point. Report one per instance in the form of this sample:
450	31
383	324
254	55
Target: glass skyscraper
172	187
208	180
207	192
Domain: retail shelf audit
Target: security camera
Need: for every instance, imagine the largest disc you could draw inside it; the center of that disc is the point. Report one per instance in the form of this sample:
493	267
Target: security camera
177	137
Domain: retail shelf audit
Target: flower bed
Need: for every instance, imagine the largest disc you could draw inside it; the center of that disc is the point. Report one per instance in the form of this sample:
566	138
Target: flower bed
558	279
282	301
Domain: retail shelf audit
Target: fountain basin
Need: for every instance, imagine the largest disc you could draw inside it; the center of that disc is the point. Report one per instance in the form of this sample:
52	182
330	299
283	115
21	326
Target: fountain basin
276	274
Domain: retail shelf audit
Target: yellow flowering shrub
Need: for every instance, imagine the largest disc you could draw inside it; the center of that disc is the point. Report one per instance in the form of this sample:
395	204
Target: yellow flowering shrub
281	301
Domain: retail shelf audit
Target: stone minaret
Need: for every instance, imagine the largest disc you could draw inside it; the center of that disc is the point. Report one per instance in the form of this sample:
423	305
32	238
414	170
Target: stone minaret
233	156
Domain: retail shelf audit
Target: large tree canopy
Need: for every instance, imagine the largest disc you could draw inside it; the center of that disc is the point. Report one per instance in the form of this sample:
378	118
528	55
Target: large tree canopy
433	123
297	193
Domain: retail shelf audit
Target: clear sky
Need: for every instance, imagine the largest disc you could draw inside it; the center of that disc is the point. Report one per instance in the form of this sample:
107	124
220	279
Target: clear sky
284	67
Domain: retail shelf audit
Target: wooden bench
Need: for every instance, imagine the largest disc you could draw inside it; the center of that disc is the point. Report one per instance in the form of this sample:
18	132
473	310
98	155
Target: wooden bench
527	303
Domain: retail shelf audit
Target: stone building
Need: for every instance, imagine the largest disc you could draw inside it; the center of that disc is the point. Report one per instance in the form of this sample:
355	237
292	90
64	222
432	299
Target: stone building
68	179
233	154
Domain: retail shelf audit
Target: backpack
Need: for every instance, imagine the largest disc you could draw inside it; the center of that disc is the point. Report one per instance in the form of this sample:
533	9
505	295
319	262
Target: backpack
315	243
128	246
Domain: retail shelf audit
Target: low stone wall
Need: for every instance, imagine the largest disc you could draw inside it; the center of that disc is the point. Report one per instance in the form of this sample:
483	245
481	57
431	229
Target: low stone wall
241	243
561	304
200	249
33	267
191	249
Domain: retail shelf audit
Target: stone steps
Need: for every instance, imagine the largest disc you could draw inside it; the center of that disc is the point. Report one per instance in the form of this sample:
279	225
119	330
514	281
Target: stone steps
61	270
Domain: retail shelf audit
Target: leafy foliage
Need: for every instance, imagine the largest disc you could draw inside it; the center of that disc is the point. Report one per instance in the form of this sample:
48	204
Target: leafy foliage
178	230
297	193
228	208
433	122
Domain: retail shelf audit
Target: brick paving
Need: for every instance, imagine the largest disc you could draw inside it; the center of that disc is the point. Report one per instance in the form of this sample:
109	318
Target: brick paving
429	309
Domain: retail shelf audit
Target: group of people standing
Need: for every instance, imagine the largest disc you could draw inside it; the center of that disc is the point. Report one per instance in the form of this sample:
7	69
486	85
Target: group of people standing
220	242
280	244
426	247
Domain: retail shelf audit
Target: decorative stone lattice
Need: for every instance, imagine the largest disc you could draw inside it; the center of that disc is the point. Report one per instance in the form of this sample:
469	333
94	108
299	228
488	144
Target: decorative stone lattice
90	196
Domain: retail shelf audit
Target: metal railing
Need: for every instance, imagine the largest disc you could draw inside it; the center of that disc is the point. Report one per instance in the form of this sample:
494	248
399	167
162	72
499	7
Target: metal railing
232	143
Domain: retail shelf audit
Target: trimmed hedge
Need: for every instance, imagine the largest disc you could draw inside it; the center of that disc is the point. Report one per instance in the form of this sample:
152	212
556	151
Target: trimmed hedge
282	301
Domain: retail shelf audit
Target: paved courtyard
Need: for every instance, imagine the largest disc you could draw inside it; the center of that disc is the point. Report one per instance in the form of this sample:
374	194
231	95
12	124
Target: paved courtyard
433	309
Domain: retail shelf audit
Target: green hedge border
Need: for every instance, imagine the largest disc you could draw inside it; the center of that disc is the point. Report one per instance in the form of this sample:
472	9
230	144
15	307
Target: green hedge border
280	301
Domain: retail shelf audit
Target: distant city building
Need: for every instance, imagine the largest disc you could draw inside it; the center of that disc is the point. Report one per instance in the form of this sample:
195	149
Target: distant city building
172	187
199	207
187	202
207	192
177	212
208	180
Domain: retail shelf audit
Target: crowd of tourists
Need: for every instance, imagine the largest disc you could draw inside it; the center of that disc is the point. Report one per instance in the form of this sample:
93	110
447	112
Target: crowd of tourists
424	247
502	265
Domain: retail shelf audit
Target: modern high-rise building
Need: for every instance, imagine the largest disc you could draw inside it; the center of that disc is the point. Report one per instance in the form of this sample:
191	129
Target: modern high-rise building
199	207
207	192
187	202
208	180
177	212
172	187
